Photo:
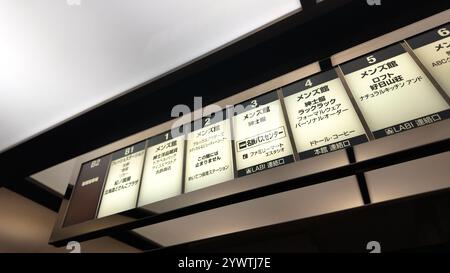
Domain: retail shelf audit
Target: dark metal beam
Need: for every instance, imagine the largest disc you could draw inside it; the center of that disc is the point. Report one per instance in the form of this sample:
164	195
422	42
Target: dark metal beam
36	192
135	240
418	223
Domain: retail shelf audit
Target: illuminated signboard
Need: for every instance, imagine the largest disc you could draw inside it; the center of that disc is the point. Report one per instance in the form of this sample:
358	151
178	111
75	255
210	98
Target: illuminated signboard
163	168
209	156
392	92
261	137
87	191
122	184
321	115
433	50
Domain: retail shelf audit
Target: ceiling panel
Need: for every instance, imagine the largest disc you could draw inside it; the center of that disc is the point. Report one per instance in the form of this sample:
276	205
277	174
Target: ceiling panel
61	58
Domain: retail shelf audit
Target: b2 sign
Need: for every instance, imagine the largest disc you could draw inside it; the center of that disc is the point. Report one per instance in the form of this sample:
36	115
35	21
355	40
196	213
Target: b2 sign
88	190
321	115
261	137
392	92
433	50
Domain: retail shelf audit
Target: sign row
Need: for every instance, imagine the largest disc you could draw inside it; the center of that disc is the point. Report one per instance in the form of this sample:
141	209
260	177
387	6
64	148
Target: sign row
380	94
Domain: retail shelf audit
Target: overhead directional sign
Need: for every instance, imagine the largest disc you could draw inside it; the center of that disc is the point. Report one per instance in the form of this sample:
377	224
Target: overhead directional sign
321	115
122	185
433	50
392	92
261	137
163	170
209	156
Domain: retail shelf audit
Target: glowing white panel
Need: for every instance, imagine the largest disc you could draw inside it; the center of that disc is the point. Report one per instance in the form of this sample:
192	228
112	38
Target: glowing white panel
59	59
433	50
163	170
260	133
392	92
321	115
124	176
209	156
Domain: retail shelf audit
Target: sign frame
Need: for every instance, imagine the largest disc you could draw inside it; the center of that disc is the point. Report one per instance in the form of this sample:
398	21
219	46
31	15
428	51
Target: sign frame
241	188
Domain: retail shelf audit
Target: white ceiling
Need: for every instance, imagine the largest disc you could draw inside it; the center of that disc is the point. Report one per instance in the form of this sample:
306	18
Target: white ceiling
58	60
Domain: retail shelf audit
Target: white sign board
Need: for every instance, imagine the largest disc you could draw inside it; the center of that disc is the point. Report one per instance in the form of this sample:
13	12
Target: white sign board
321	115
209	156
122	185
433	50
163	168
392	92
261	137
